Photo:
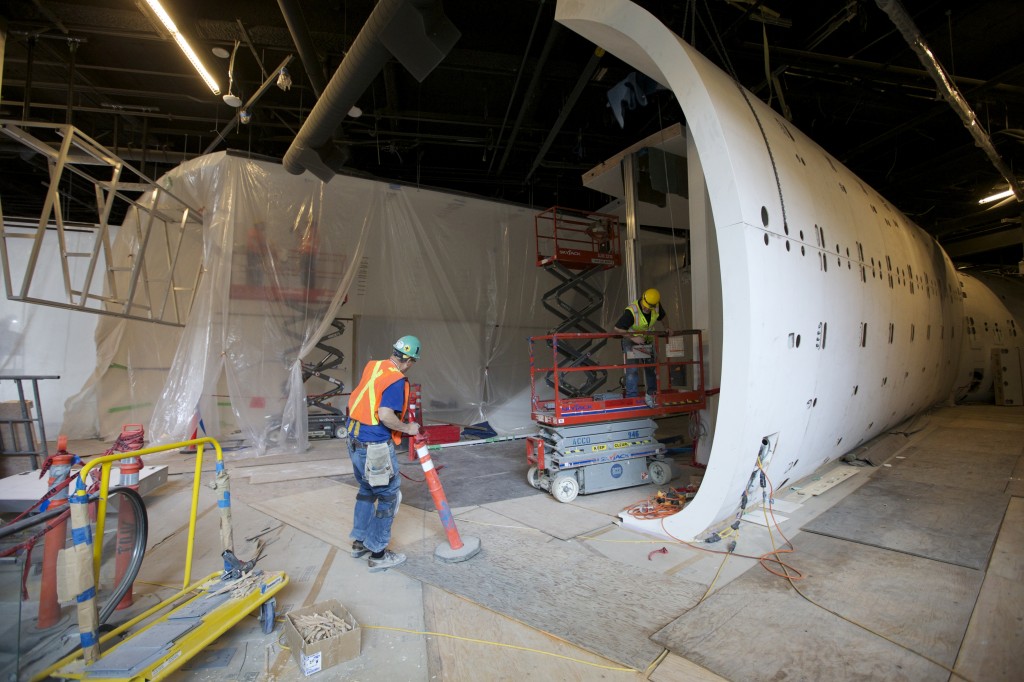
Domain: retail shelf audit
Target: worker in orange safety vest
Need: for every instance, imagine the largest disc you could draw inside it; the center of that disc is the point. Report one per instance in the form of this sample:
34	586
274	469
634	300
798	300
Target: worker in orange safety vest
377	408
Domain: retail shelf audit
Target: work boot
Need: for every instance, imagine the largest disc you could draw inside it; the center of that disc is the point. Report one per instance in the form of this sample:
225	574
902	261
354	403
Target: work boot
358	549
389	560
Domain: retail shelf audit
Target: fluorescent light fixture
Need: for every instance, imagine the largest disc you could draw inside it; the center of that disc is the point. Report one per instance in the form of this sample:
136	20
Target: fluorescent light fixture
168	23
996	197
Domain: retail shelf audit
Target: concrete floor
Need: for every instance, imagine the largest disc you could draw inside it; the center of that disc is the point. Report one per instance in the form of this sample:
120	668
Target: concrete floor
413	630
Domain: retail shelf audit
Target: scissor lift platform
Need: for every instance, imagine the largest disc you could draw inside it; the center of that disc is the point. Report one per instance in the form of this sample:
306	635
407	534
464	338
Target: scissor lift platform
606	441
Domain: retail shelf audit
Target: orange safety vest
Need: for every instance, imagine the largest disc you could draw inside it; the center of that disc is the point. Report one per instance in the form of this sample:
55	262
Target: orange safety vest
364	401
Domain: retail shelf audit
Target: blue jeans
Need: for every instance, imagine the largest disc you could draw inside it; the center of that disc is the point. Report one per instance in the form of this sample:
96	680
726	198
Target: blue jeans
633	373
375	506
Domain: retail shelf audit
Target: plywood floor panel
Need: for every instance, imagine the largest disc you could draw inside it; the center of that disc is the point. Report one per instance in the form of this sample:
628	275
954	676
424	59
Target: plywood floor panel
299	470
918	519
973	441
1015	486
455	660
327	514
677	669
563	589
976	472
993	648
563	521
878	588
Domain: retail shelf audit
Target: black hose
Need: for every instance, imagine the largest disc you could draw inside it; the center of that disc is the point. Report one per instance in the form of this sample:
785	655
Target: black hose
138	507
17	526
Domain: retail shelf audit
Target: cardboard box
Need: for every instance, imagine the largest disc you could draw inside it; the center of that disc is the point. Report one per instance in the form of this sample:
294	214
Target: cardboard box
312	658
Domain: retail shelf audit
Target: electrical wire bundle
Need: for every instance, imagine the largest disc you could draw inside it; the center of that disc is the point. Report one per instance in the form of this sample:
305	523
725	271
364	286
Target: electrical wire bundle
664	503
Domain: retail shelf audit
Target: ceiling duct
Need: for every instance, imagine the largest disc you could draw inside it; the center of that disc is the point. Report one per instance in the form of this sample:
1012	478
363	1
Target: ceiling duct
948	89
303	44
415	32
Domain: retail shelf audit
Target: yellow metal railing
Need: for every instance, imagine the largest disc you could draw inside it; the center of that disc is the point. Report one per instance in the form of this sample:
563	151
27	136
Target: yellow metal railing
105	463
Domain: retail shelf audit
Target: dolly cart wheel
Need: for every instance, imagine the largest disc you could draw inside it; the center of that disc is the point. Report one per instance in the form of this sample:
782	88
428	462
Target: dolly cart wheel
267	615
565	487
660	471
533	477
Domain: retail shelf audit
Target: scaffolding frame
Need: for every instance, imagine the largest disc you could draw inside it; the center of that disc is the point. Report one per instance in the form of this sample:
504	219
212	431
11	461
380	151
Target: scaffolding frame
126	290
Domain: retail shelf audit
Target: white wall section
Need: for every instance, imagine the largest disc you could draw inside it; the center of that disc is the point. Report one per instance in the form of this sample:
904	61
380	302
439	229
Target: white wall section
840	317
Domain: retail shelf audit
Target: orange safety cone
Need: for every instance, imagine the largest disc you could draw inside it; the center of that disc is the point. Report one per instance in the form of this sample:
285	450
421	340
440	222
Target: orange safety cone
131	438
457	549
55	538
130	469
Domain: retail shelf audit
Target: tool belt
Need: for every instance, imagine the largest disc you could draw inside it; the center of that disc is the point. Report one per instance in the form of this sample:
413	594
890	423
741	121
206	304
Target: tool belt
378	470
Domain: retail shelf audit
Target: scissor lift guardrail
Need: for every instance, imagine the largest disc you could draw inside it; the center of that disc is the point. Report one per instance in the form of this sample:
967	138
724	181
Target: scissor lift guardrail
670	356
606	441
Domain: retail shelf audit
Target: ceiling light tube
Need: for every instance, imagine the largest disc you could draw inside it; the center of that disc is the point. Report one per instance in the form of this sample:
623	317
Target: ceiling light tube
996	197
168	23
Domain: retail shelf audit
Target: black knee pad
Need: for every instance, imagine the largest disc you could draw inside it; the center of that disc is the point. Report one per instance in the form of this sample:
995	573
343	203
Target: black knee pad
386	506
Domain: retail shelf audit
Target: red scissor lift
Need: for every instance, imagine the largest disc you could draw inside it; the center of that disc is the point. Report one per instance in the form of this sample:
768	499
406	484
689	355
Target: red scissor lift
592	441
605	441
573	246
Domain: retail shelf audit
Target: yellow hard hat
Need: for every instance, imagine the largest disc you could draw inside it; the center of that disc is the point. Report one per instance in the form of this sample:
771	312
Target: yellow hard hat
651	298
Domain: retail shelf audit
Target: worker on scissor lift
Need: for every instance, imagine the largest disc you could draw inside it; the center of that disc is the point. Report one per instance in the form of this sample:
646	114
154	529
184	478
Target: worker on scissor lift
377	410
639	317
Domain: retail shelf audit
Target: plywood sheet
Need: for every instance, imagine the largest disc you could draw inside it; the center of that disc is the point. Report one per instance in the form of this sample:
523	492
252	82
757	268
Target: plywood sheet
545	513
327	514
993	648
973	441
562	589
675	668
878	588
1008	556
825	481
934	521
1015	486
300	470
982	471
456	659
985	417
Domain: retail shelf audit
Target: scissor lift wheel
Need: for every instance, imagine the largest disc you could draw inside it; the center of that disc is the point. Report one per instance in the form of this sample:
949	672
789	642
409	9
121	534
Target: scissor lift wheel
660	471
533	477
565	487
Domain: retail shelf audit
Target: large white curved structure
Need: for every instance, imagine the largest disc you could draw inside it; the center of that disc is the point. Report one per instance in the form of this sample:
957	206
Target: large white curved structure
833	318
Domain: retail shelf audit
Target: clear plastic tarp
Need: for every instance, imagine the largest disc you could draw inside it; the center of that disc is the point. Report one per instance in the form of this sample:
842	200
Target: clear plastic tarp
285	256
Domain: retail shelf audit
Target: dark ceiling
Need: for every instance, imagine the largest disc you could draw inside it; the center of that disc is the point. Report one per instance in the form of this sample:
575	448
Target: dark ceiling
496	118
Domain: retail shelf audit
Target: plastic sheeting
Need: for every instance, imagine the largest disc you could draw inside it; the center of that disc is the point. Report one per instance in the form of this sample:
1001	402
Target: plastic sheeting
38	340
285	255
